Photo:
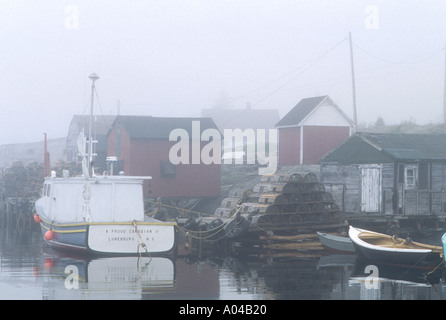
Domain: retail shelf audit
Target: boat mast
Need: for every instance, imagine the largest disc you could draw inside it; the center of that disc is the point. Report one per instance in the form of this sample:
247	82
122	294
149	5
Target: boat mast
93	77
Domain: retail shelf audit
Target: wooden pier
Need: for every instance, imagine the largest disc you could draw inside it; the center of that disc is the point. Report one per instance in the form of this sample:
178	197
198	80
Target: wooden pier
299	246
17	213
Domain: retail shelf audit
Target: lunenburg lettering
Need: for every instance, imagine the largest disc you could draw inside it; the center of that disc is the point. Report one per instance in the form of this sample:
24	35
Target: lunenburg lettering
121	238
117	234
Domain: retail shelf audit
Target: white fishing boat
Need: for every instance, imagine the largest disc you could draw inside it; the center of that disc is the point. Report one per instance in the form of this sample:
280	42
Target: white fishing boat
101	214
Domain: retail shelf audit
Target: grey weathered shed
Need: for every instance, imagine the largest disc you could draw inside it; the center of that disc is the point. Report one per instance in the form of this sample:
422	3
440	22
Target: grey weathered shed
395	174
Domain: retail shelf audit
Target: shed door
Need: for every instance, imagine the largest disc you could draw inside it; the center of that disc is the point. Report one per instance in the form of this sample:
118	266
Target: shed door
371	189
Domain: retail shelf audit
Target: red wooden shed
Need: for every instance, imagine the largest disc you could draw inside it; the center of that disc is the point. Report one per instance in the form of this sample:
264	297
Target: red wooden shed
310	130
141	144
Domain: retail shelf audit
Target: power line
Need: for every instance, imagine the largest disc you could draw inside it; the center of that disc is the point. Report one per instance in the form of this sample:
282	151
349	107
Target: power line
303	69
408	61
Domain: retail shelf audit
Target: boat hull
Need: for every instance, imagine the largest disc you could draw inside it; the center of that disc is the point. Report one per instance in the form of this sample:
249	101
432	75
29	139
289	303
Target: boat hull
336	243
421	259
120	238
413	257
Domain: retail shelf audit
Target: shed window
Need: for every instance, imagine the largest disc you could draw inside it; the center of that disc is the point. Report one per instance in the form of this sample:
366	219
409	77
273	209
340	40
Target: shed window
168	170
410	176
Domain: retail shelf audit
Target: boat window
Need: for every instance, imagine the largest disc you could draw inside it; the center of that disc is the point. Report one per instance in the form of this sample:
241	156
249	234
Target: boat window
48	190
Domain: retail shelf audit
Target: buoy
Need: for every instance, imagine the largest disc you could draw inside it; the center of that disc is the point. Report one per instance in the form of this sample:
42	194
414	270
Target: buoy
36	218
49	235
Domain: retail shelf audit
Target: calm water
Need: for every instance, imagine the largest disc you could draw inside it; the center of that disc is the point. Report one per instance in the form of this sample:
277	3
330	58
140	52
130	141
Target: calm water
29	270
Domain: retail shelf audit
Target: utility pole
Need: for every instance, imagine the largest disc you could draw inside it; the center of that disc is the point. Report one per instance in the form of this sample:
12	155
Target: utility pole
355	117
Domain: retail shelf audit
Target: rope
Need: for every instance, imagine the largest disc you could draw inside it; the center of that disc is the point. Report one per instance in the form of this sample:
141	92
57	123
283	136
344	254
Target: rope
199	233
200	237
182	209
140	242
433	271
217	229
418	262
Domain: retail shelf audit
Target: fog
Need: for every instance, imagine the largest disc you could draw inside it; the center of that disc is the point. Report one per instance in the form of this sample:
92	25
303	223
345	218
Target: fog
175	58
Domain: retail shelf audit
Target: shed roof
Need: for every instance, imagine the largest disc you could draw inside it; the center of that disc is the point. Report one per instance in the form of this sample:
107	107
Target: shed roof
387	147
304	108
148	127
242	118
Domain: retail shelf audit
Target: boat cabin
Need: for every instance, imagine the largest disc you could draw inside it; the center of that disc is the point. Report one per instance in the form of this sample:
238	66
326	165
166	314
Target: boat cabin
110	199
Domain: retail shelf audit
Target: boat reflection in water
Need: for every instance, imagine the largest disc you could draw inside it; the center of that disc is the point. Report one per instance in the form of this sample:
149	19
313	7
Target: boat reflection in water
82	277
366	280
378	281
126	277
31	270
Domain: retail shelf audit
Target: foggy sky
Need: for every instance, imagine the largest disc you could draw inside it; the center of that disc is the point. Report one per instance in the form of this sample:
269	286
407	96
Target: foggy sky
174	58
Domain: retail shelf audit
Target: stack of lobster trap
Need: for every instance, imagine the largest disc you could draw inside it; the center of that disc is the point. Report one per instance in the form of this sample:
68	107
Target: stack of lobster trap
280	214
281	204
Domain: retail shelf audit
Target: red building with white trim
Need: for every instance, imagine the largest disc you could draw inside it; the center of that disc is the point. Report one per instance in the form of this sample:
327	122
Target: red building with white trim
310	130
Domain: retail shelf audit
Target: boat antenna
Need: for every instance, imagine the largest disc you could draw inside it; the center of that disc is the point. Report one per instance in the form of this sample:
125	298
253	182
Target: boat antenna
93	77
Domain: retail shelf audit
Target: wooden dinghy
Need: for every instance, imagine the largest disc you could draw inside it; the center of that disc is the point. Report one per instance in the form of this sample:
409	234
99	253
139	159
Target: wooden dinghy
335	242
390	249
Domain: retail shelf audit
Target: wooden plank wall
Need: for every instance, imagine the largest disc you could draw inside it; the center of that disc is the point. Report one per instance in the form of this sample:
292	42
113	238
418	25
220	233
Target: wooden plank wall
438	187
388	179
344	182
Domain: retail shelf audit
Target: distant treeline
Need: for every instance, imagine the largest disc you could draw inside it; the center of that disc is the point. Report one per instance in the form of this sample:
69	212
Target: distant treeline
407	126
